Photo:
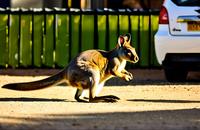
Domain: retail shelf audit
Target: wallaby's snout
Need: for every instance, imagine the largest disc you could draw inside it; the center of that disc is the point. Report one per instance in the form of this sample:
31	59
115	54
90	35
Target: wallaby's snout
134	57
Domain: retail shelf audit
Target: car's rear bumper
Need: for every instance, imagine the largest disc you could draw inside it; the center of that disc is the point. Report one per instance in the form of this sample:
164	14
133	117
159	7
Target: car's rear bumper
166	43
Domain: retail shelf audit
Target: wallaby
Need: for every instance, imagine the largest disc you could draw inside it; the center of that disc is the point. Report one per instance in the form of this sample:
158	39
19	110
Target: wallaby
89	70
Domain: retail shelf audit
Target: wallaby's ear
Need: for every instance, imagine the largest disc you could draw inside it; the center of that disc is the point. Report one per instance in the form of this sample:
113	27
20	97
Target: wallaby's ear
128	37
121	41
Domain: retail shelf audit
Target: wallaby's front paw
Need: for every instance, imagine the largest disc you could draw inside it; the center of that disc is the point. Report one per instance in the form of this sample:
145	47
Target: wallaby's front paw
130	74
128	77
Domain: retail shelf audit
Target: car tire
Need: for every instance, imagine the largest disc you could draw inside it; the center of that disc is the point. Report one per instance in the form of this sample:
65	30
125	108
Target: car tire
175	75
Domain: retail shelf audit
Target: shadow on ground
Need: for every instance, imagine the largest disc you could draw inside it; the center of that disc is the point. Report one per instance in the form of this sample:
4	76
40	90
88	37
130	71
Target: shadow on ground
163	101
26	99
187	119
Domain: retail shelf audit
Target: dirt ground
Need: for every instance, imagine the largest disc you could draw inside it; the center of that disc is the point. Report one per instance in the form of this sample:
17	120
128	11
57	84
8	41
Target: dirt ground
148	102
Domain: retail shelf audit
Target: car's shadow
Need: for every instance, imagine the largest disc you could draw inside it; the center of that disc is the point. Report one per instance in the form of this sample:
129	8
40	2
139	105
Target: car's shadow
154	77
118	82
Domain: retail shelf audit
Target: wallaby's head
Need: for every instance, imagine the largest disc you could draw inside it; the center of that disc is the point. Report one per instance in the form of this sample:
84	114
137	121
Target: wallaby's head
126	51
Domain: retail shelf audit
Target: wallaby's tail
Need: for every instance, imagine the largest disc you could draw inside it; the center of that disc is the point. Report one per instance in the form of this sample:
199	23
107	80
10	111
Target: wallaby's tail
44	83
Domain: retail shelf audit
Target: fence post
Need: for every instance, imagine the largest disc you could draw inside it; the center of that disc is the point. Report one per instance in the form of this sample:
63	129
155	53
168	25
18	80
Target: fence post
144	41
38	26
87	30
25	39
154	28
13	39
113	28
123	22
49	39
62	38
135	23
101	29
3	37
75	22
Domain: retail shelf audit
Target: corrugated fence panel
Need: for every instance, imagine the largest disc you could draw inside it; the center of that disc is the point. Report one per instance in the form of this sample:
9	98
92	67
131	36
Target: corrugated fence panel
3	41
25	40
51	38
38	24
62	40
48	44
13	40
87	32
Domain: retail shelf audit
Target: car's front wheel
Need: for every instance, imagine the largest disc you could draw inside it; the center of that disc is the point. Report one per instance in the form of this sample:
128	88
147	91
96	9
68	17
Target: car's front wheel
175	74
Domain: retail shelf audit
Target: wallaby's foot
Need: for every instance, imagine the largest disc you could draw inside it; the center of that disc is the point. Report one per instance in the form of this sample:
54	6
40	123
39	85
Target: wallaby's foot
77	98
108	98
81	100
111	97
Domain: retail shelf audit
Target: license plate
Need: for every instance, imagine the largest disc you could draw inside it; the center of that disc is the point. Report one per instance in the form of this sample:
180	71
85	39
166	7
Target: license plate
193	26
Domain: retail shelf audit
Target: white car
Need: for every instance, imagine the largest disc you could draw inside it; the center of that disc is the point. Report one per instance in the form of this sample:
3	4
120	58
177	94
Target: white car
177	41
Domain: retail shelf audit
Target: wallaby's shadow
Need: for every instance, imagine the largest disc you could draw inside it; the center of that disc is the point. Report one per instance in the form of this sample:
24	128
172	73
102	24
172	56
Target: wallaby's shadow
163	101
26	99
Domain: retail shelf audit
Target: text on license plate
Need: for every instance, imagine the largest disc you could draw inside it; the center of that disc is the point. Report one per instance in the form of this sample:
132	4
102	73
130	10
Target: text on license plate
193	26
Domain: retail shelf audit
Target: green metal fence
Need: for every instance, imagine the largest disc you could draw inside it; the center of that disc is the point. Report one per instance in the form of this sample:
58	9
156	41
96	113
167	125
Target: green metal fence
51	38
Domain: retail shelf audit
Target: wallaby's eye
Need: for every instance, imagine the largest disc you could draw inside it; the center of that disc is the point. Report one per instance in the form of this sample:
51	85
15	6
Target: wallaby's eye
127	52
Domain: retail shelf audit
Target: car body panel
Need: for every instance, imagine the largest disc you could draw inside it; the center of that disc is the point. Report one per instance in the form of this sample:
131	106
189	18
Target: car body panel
166	43
180	17
169	38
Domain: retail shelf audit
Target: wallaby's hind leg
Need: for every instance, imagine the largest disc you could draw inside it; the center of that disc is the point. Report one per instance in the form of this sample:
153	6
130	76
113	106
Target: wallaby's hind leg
92	92
90	80
98	90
